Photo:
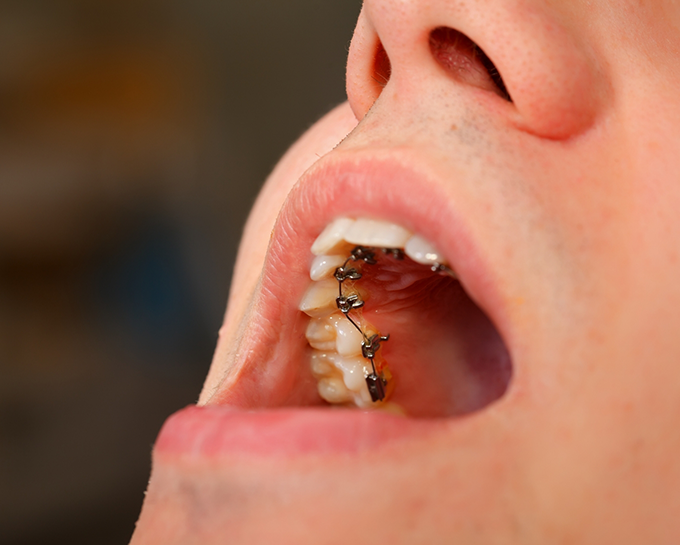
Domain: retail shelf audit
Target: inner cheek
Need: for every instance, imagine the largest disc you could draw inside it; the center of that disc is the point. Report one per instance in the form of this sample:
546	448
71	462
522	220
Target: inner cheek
446	356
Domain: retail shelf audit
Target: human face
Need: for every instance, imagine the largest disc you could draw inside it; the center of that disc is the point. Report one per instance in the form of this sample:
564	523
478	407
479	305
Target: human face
558	210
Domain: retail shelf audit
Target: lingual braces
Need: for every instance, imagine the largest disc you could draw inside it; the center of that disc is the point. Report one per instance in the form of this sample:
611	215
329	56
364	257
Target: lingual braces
375	380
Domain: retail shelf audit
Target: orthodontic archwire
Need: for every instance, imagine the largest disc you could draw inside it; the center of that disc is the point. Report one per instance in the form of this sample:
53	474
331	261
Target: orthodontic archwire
375	381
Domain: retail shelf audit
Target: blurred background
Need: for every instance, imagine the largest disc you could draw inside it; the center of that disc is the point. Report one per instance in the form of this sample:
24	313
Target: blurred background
134	136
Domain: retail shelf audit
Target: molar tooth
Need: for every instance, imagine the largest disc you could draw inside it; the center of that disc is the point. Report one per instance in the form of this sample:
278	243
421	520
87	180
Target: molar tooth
423	251
333	390
348	340
321	332
319	299
332	236
377	233
353	372
322	366
325	265
322	345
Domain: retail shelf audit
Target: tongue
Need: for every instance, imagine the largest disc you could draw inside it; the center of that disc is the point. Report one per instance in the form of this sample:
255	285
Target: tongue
446	356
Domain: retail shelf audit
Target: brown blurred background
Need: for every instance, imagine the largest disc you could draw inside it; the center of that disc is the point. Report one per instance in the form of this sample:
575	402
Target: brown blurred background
134	136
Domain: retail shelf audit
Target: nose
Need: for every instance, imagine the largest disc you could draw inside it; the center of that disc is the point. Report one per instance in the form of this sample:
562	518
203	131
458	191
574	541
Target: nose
525	61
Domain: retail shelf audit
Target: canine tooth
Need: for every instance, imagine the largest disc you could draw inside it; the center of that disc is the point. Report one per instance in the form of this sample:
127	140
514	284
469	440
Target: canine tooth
348	340
353	372
333	390
319	299
377	233
321	332
332	236
422	251
325	265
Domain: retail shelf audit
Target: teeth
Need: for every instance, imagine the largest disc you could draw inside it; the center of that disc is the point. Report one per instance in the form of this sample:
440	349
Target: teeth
348	340
376	233
422	251
324	266
354	371
321	332
332	237
321	365
333	390
337	361
319	299
341	380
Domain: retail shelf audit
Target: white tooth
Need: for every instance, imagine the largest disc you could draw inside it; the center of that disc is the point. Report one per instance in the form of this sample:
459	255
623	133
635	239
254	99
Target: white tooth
362	399
319	299
322	345
348	341
333	390
423	251
321	365
325	265
321	332
332	236
353	371
377	233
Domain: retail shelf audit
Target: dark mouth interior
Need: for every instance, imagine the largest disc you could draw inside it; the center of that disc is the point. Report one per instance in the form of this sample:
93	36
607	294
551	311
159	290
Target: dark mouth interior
446	355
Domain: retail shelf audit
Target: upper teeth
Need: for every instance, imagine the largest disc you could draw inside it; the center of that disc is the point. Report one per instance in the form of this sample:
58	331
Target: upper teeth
376	233
332	237
343	233
337	360
319	300
422	251
325	265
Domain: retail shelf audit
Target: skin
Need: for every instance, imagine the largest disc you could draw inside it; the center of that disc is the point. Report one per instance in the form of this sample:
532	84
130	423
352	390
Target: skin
572	193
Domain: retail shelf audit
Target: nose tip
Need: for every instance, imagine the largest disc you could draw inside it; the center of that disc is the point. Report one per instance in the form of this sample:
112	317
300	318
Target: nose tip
521	52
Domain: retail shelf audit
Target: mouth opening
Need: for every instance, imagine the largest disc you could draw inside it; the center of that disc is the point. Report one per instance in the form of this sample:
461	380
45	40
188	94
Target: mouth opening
395	310
445	354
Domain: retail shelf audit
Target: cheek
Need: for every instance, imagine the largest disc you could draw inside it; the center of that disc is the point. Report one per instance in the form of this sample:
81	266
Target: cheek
613	439
607	468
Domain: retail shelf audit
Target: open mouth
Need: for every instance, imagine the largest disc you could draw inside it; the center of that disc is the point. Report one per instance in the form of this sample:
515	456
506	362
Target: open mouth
404	312
444	355
401	315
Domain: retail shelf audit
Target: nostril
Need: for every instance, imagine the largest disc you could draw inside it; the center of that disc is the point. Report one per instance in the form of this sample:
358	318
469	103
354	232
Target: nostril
382	69
494	74
465	61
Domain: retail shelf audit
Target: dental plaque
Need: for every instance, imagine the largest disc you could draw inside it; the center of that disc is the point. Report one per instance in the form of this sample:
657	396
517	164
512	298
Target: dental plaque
346	354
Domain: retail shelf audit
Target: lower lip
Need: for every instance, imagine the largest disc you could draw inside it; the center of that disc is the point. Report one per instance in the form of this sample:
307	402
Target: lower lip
217	431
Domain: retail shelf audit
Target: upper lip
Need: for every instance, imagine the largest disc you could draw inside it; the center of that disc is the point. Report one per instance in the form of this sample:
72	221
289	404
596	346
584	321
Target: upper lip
266	367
